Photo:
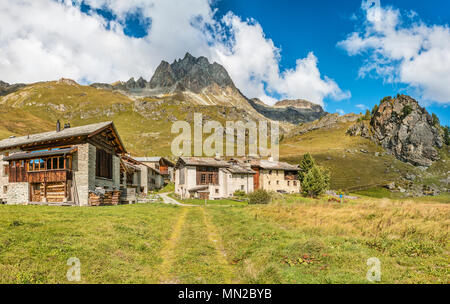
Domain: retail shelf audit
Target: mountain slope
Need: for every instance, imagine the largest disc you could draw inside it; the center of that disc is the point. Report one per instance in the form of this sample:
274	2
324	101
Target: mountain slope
292	111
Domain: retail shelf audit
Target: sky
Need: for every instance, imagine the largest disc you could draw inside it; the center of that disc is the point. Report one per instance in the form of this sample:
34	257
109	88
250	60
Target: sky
343	55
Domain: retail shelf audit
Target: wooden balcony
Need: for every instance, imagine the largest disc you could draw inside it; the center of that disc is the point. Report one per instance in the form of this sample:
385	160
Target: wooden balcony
51	176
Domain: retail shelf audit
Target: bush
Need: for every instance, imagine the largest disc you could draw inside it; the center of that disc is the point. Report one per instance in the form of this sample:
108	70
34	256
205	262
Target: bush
367	115
406	111
239	193
259	197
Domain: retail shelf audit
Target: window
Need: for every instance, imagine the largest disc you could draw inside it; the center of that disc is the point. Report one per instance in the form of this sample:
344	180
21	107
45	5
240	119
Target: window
210	178
103	164
203	179
269	182
289	183
5	189
295	183
242	187
217	191
5	170
270	172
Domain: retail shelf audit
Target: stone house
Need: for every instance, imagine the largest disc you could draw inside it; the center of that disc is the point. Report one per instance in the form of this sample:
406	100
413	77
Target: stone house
163	166
211	178
140	176
74	166
275	176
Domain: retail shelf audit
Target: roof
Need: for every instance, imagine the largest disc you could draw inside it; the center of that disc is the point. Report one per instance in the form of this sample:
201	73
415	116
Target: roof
134	160
274	165
153	159
29	155
87	130
236	169
204	161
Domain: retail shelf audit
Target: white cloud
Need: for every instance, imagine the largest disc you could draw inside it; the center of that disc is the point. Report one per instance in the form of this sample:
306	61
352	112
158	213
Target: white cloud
404	50
46	40
362	107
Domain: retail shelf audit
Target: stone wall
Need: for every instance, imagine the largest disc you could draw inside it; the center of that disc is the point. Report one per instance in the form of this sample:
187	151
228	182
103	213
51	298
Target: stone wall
273	180
18	193
81	173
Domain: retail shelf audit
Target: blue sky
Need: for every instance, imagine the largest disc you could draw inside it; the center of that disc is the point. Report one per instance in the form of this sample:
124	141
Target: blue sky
298	27
345	55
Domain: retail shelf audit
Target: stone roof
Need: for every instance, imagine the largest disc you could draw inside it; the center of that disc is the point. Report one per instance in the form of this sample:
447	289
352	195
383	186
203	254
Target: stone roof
237	169
53	135
273	165
204	161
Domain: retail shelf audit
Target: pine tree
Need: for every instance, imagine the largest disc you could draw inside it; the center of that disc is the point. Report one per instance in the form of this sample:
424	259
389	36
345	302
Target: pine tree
305	165
316	181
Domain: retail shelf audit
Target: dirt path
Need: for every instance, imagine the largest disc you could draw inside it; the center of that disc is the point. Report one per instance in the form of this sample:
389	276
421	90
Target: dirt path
216	240
167	252
194	252
168	200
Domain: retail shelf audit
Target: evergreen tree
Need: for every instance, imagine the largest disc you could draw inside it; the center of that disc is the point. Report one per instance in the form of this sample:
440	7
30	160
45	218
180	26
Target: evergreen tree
367	115
435	120
447	135
305	165
375	109
316	181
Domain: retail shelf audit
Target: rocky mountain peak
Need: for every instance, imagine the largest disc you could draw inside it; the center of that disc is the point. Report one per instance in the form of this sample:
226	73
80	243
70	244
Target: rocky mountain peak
189	74
6	88
405	129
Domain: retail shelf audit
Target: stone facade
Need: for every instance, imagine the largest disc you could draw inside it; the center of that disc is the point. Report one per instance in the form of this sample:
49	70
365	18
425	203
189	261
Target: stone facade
274	180
228	183
18	193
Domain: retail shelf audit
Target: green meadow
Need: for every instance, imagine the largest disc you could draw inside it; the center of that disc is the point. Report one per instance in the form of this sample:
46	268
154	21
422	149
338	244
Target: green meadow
291	240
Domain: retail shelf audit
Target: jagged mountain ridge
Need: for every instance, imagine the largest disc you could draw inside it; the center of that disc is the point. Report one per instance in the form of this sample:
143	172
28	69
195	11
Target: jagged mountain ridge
200	82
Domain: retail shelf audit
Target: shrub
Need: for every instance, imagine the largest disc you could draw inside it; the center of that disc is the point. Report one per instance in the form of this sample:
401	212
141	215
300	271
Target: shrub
259	197
239	193
367	115
406	111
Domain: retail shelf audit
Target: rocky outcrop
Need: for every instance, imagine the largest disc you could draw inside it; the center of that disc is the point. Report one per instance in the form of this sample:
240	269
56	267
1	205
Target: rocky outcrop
6	88
405	129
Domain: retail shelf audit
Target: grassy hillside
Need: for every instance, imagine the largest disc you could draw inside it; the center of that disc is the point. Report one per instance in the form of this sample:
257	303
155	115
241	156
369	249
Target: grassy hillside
351	168
145	127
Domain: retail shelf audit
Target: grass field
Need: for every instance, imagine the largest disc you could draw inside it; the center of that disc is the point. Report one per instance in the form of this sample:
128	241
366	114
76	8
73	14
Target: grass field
292	240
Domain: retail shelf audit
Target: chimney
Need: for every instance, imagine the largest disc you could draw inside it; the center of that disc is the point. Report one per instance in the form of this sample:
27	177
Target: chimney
217	156
58	126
